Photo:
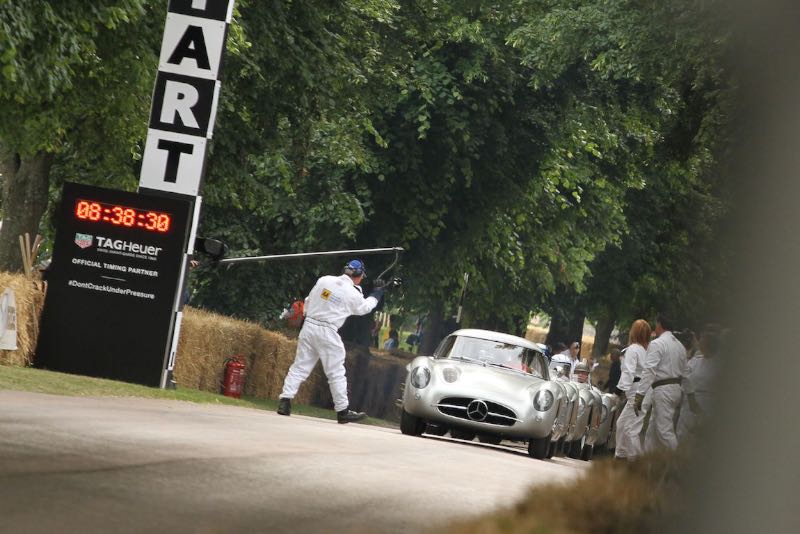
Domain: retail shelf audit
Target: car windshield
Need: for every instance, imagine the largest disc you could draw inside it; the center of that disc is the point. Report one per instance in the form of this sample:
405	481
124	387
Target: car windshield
554	365
494	353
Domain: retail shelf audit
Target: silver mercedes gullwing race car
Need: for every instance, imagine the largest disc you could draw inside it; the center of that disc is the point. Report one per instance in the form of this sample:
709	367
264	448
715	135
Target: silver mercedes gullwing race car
486	384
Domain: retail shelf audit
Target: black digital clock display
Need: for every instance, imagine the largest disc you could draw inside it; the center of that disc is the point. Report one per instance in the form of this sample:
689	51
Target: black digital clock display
91	210
113	285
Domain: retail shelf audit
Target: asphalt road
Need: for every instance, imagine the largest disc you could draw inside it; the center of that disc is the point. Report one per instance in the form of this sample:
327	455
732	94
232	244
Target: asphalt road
70	464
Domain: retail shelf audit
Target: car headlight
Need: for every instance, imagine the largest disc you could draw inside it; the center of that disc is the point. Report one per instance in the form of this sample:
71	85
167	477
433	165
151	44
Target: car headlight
420	377
450	374
581	406
543	400
604	414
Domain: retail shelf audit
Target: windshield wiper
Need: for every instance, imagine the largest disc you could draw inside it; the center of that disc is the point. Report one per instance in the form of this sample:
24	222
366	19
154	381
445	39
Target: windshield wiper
503	366
465	359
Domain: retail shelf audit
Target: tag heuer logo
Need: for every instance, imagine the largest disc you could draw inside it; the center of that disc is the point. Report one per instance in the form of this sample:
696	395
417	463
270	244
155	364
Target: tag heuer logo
83	240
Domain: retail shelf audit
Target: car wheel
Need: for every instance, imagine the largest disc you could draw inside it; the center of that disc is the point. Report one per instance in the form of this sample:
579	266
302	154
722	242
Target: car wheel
560	446
436	429
491	439
587	452
411	425
537	448
574	448
462	434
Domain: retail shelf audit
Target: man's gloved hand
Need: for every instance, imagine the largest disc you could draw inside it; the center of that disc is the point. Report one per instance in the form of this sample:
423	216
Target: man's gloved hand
378	288
694	406
637	403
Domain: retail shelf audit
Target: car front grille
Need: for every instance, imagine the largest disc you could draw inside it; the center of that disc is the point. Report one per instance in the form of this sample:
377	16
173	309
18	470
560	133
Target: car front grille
497	414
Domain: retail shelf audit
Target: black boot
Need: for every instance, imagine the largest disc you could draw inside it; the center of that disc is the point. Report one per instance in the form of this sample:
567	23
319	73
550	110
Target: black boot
285	406
349	416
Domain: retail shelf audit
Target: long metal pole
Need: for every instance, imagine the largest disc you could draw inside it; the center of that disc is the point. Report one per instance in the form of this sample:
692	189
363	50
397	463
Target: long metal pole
361	252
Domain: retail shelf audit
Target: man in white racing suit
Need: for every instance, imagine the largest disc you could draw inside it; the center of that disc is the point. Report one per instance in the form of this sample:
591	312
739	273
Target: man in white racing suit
330	302
664	369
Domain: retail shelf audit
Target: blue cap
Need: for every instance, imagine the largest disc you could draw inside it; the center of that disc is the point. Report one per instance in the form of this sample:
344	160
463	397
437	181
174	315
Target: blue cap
355	268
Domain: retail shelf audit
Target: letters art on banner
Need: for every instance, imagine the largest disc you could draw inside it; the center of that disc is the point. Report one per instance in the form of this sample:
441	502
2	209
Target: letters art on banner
185	96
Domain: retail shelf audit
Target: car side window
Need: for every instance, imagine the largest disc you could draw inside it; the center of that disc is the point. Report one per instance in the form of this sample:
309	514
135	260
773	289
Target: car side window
540	364
534	363
443	350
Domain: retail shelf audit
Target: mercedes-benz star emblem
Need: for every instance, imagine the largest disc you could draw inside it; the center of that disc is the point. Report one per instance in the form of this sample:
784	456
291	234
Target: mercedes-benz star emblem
477	410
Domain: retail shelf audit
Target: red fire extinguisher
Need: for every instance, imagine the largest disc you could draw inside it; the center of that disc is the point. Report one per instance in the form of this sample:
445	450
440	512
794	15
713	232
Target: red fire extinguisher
234	377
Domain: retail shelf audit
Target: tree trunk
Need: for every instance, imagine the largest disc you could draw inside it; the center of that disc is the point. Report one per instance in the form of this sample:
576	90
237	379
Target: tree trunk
565	329
603	329
26	182
566	318
434	328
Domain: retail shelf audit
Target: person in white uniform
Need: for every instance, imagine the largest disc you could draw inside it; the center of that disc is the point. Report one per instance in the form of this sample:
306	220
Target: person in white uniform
330	302
629	423
701	380
663	370
568	356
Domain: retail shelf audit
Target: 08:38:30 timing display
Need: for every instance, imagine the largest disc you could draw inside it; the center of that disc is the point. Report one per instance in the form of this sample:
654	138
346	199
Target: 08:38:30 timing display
90	210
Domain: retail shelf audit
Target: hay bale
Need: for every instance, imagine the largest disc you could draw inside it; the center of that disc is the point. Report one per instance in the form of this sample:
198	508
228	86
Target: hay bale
537	334
29	295
208	339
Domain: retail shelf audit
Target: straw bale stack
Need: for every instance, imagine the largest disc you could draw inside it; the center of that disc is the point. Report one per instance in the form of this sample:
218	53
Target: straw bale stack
376	379
208	339
538	334
29	295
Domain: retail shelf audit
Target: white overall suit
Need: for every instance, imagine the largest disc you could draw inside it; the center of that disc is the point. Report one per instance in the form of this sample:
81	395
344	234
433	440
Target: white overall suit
665	359
629	425
330	302
702	375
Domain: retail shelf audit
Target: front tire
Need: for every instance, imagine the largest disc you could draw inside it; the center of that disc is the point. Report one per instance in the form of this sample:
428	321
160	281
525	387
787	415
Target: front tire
560	445
586	453
411	425
537	448
575	448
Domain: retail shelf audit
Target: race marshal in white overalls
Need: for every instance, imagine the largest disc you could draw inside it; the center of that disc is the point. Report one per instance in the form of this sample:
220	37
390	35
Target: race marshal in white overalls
332	300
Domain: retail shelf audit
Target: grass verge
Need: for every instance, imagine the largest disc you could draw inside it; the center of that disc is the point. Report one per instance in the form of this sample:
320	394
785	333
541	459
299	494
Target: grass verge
41	381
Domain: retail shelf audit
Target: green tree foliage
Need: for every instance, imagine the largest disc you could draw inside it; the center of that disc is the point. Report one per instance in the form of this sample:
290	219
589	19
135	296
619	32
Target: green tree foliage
75	85
286	173
654	80
532	145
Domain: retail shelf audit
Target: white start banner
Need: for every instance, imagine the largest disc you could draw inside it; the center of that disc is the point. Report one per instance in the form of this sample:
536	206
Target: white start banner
8	320
185	95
